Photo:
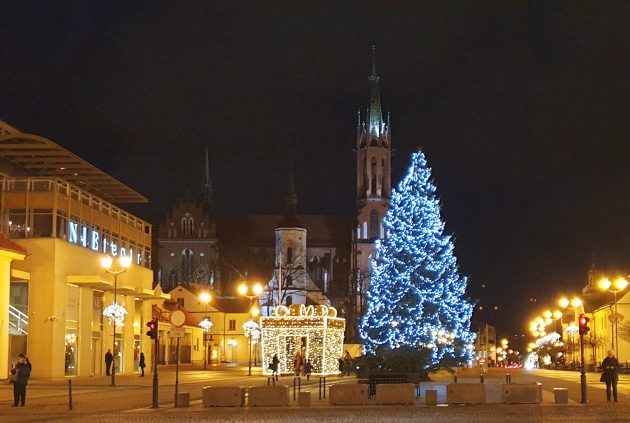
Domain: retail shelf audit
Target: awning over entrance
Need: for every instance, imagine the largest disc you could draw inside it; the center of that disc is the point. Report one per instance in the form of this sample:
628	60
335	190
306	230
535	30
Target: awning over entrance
91	281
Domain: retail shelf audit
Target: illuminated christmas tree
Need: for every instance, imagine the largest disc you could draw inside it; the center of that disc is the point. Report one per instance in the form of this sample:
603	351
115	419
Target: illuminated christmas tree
417	296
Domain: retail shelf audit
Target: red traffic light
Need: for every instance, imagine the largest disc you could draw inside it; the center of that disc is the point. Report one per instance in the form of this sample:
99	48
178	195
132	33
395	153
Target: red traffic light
153	328
583	324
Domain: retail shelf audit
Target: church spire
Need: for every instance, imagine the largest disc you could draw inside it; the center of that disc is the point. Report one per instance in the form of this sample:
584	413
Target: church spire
290	203
208	197
375	116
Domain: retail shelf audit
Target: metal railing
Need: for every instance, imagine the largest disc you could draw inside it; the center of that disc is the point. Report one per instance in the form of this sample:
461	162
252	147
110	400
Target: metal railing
18	321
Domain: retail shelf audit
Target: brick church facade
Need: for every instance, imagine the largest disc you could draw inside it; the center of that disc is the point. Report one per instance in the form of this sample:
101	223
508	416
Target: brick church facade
318	259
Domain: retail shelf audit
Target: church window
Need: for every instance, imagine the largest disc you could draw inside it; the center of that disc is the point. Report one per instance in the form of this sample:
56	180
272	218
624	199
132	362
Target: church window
188	265
374	226
358	231
373	177
289	281
382	231
188	224
289	255
289	300
365	230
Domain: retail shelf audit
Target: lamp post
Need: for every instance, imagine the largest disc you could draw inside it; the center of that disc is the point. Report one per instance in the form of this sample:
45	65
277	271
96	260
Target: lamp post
251	293
115	312
617	286
206	325
572	304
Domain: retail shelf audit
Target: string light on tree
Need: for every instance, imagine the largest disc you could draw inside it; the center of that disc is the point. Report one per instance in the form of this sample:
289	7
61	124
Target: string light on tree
416	296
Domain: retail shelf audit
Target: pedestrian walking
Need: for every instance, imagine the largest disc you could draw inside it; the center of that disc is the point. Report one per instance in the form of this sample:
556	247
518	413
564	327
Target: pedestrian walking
347	362
109	359
142	364
19	377
297	363
308	368
610	375
341	366
273	366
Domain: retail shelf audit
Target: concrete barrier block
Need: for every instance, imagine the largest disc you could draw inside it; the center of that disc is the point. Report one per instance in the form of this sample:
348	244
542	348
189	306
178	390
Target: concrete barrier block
561	395
268	395
348	394
395	393
521	393
431	397
466	393
183	399
223	396
304	398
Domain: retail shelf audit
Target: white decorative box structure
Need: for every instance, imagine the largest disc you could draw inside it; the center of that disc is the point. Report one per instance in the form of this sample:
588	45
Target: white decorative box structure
314	331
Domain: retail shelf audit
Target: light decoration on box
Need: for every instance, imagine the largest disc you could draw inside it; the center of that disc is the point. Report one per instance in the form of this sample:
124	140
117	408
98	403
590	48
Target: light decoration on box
315	331
115	313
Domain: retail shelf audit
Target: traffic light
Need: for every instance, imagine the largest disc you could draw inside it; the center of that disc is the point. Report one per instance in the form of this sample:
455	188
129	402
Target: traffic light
583	323
153	328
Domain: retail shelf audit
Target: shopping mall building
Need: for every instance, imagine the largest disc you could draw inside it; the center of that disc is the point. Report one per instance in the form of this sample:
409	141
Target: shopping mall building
58	218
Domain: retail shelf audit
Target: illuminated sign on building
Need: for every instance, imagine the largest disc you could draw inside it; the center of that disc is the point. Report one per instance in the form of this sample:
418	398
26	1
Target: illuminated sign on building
91	238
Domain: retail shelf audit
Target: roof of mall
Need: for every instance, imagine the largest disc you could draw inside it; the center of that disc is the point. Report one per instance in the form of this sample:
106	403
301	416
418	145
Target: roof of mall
42	157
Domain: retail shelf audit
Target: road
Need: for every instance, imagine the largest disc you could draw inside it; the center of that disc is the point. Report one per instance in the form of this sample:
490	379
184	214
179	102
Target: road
95	401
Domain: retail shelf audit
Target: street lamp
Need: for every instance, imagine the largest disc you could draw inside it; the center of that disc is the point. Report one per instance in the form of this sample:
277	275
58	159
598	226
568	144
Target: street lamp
206	325
251	293
572	304
115	312
617	286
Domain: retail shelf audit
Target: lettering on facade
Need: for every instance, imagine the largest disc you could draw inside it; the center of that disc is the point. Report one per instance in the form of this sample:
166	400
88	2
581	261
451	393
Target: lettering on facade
91	238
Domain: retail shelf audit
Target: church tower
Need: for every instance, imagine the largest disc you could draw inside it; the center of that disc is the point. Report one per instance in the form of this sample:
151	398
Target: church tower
373	174
296	285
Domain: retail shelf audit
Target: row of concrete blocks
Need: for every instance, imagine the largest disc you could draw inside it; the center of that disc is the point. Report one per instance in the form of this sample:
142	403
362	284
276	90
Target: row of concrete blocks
456	393
386	394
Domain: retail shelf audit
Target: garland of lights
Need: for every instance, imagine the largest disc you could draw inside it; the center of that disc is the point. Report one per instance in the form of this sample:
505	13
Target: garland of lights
283	332
115	313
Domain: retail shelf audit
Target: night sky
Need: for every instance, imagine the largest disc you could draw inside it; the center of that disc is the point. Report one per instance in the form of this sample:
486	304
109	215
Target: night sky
521	109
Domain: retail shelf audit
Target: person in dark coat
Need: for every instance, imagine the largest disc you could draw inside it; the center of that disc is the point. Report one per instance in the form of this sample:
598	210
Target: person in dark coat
274	366
610	366
21	372
141	363
308	368
109	359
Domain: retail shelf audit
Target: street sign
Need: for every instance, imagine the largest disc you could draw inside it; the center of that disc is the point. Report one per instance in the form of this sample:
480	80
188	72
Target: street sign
177	332
178	318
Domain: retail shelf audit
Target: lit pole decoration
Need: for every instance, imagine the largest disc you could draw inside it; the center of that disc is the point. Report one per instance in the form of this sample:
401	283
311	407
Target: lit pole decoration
250	328
617	286
573	304
206	325
251	293
115	312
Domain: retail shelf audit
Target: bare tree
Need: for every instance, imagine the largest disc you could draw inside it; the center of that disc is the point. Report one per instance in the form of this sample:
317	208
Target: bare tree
593	340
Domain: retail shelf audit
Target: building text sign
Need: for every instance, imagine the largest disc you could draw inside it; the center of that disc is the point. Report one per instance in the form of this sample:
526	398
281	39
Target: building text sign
92	239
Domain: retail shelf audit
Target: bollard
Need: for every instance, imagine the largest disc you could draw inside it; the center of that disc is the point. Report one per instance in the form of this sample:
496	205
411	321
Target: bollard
69	394
455	378
322	386
296	382
481	378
